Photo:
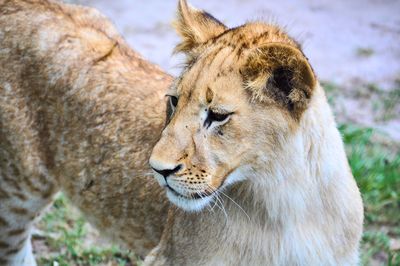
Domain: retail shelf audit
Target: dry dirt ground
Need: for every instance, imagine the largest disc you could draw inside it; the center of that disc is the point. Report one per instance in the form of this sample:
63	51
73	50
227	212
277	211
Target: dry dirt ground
353	45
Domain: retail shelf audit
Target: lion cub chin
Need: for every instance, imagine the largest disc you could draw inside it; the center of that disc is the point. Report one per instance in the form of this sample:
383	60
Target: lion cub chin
251	155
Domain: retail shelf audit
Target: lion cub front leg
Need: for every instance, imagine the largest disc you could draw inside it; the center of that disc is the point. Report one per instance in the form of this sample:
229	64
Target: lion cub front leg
15	231
20	206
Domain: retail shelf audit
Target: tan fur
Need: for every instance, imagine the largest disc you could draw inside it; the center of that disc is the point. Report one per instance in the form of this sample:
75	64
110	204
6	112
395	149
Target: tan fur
270	184
80	112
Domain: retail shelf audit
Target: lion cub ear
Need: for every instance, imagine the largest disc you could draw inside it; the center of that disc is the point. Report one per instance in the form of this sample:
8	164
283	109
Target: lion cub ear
281	73
195	27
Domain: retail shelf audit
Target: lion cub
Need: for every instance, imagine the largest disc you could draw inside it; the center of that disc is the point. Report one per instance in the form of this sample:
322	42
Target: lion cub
250	155
251	132
79	112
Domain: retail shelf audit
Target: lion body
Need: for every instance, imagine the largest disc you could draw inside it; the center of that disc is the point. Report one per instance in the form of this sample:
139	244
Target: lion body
79	112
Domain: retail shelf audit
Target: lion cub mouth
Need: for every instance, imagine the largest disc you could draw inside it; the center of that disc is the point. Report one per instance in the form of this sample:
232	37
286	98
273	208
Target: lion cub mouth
199	195
194	202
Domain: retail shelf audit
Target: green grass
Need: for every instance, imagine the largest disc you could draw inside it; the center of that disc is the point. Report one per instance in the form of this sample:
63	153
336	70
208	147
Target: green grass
65	234
391	102
375	166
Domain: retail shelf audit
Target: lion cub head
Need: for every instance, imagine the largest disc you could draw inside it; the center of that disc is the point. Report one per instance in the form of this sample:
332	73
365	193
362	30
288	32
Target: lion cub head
241	95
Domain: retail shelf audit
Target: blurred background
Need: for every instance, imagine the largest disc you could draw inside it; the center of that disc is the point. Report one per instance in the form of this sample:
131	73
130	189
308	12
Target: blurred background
354	47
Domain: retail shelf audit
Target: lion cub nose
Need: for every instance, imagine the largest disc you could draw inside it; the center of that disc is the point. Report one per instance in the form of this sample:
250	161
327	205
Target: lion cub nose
165	172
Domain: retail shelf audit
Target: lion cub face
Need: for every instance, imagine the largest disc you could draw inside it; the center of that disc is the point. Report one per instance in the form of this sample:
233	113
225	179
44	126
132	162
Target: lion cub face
240	96
207	140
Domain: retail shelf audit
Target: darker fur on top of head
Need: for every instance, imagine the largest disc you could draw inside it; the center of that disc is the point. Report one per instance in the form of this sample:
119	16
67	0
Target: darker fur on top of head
275	67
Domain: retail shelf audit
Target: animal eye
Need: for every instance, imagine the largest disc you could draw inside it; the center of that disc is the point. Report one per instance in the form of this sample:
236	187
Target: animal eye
173	100
215	117
171	106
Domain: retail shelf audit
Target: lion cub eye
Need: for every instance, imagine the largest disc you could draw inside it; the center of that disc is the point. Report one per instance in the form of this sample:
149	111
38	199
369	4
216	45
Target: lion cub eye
213	116
173	101
216	117
171	106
